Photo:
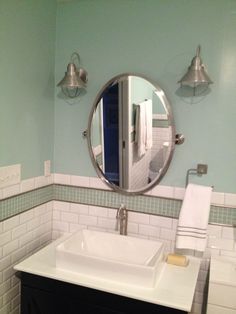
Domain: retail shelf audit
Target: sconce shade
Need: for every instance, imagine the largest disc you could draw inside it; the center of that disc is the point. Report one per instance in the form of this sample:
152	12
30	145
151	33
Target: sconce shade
196	74
74	80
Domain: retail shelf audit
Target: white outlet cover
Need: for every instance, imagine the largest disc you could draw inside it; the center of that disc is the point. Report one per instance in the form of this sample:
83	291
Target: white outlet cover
10	175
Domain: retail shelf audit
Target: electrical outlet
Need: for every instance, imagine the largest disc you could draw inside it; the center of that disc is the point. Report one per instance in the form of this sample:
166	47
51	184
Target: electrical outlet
47	168
10	175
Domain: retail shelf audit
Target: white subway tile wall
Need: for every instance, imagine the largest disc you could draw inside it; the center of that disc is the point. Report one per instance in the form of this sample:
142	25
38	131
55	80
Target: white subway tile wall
26	185
20	236
221	240
138	172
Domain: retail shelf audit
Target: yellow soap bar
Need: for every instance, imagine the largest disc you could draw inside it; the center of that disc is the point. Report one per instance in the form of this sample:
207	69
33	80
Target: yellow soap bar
176	259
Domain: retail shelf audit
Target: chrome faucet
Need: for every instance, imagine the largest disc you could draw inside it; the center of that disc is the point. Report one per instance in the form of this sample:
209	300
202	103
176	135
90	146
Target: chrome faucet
122	219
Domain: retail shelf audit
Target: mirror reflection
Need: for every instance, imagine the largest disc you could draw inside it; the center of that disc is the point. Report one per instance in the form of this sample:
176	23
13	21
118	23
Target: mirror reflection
131	133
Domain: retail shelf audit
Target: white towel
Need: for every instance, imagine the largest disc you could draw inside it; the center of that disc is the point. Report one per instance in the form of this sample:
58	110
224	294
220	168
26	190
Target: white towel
140	129
193	218
143	127
148	108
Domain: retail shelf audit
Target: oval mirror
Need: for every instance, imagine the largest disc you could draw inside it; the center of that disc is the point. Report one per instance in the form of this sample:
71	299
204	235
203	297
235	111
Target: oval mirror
131	134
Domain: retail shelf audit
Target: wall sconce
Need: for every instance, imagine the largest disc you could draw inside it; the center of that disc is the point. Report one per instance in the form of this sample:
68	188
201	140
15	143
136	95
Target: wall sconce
75	78
196	74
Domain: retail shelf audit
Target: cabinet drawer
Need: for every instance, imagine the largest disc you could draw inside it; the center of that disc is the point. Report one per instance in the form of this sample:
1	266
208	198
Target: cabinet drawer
215	309
222	295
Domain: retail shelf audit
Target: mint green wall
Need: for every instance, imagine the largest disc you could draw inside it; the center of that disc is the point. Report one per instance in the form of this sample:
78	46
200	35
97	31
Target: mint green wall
157	39
27	37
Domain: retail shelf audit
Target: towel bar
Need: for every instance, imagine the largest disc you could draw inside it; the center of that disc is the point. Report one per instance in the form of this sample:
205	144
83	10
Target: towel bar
200	170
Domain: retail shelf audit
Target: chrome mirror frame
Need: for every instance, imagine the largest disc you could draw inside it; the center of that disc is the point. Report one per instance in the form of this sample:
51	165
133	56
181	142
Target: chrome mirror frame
172	143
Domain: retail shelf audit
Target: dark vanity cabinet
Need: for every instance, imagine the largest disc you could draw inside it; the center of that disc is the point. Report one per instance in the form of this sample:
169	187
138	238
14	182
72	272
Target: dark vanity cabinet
40	295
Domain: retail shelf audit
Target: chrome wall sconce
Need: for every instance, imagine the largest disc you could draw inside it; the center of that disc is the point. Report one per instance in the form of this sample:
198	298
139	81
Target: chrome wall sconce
75	78
196	74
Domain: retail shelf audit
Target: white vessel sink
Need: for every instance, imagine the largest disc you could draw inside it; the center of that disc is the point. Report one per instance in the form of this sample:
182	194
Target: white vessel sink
113	257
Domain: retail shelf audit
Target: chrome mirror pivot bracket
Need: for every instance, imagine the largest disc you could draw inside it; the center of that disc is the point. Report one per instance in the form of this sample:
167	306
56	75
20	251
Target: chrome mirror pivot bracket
179	139
85	134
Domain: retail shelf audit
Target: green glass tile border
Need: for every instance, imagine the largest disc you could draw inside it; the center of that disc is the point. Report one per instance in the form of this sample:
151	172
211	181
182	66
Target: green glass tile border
224	216
17	204
156	123
144	204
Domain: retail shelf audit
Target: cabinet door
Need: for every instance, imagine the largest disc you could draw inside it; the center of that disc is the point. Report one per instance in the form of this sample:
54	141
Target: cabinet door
35	301
47	296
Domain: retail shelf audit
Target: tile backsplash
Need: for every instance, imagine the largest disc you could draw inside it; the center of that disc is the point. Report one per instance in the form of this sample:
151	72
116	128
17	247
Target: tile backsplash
20	236
39	210
161	200
70	217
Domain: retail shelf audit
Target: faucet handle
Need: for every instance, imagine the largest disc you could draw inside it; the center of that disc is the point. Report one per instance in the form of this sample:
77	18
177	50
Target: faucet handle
122	206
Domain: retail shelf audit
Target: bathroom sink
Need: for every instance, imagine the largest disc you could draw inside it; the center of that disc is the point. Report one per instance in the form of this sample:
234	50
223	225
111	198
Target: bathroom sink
119	258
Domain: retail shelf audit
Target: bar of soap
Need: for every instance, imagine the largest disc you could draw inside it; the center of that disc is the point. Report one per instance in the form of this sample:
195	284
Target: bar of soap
176	259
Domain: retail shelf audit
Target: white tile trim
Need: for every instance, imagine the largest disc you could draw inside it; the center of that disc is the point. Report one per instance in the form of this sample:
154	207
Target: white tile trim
172	192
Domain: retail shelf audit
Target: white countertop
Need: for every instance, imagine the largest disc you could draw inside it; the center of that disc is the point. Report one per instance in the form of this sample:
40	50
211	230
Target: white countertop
223	271
175	287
